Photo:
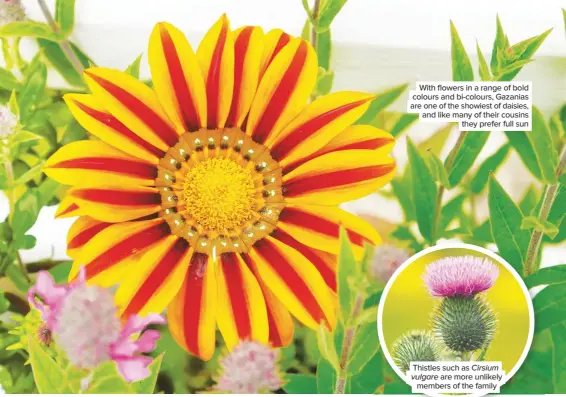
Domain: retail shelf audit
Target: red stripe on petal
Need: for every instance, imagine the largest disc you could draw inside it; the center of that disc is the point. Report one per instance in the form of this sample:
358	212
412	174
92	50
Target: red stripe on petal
157	277
120	128
282	148
240	48
84	237
282	42
274	336
118	197
318	224
193	300
68	210
127	247
327	273
279	263
140	109
312	183
238	299
179	83
111	164
281	95
213	78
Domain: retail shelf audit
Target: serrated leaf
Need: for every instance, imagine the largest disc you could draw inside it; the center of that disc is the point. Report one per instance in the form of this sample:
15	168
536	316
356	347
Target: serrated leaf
300	384
461	65
59	61
382	100
423	193
464	159
366	345
29	28
532	222
550	307
490	165
134	68
483	69
547	276
505	219
48	375
147	385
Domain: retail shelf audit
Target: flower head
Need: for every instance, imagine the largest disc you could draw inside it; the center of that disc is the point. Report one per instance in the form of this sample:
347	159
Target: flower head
208	179
386	259
85	324
415	346
8	122
460	276
11	11
250	368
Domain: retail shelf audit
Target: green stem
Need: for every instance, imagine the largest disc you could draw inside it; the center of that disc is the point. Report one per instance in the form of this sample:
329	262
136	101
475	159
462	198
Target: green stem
64	44
347	345
315	12
550	192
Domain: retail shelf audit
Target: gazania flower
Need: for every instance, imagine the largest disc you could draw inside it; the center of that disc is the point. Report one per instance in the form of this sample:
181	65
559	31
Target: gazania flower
216	192
460	276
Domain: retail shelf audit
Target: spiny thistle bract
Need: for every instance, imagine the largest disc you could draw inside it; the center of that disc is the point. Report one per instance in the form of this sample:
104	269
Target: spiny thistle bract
464	324
415	346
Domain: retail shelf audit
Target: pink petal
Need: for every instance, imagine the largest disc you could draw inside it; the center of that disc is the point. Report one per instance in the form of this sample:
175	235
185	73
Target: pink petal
137	324
146	342
49	293
133	368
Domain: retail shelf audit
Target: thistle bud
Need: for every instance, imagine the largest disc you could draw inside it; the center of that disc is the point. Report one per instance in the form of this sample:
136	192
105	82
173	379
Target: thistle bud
415	346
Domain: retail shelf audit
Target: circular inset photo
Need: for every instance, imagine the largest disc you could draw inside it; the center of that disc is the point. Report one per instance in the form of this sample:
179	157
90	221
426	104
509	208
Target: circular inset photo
455	319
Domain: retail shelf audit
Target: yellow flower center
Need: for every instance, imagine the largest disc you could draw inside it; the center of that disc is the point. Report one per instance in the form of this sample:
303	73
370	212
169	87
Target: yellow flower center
219	194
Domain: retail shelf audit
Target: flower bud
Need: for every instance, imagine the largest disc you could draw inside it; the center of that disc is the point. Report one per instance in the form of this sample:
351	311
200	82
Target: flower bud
415	346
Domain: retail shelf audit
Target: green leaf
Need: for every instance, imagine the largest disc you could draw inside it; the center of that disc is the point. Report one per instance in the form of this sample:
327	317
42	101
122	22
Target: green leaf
306	32
16	276
30	174
490	165
402	123
424	192
504	74
403	233
461	65
370	378
547	276
60	272
328	11
59	61
147	385
106	379
529	200
437	169
134	68
450	211
325	377
25	212
48	375
483	69
382	100
324	49
347	269
550	307
500	44
557	212
326	347
7	80
522	145
25	242
558	333
47	191
24	136
35	80
13	104
506	219
366	345
29	28
401	187
4	303
74	132
543	147
324	82
435	143
464	159
532	222
65	16
300	384
522	51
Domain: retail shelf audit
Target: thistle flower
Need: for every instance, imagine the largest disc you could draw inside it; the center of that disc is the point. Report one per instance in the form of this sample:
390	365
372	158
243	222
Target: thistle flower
386	259
8	120
85	324
250	368
415	346
11	11
464	324
460	276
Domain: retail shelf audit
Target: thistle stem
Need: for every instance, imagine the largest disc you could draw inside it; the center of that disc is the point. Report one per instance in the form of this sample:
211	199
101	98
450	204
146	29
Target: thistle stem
347	346
550	192
64	44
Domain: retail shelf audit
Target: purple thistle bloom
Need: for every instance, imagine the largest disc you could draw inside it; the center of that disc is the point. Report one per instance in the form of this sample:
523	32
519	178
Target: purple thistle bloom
460	276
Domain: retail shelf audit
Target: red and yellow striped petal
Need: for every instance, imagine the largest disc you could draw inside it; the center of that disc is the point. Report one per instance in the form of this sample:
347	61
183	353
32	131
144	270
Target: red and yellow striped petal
216	57
134	104
241	312
68	208
364	137
317	125
274	42
116	248
100	123
284	89
319	227
95	163
81	232
155	279
337	177
177	77
117	204
248	46
192	313
295	281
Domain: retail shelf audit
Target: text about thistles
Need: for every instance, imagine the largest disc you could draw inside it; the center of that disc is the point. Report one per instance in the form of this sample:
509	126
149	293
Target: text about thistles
474	105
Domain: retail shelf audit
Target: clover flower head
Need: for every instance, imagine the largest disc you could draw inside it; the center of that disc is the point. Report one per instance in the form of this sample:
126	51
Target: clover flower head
460	276
85	324
8	121
11	11
386	259
250	368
